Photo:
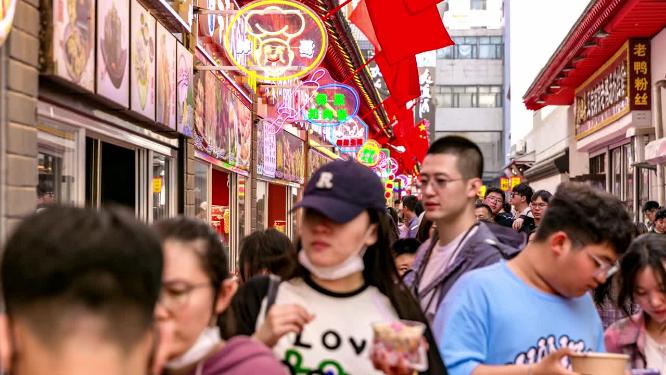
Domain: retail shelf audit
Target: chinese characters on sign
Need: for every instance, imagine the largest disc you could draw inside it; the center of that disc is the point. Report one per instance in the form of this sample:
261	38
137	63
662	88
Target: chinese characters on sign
281	40
621	86
370	154
639	85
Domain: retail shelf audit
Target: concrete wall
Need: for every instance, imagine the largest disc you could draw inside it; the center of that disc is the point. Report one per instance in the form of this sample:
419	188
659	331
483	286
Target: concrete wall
18	117
469	119
470	72
658	71
460	16
549	183
550	131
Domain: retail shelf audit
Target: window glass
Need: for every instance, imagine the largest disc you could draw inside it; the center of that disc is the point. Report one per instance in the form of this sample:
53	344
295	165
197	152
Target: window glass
160	186
262	212
201	200
57	166
465	51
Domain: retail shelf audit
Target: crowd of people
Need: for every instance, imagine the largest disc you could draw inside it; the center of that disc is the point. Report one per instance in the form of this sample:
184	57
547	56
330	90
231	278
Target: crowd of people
501	284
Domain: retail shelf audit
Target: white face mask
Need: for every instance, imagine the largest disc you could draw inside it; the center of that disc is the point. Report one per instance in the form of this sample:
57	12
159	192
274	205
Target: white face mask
350	266
206	342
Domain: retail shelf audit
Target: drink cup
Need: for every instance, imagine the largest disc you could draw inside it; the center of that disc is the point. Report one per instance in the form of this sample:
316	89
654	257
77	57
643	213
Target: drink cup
402	339
591	363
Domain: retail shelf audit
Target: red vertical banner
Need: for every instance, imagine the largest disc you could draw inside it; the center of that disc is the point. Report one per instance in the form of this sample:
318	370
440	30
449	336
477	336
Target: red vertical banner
639	74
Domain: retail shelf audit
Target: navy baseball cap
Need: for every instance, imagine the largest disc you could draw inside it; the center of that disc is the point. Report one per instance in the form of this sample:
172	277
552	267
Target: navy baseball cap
341	190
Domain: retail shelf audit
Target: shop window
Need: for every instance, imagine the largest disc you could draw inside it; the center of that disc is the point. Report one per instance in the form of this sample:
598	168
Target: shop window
262	197
474	47
468	96
201	190
111	175
598	169
57	167
241	195
277	207
160	186
628	159
220	209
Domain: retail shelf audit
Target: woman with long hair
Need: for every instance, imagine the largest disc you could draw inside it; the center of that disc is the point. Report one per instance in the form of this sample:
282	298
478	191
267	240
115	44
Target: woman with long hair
642	276
321	318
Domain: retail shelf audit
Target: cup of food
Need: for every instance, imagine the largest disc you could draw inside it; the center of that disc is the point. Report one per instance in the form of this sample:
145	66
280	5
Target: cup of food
401	340
591	363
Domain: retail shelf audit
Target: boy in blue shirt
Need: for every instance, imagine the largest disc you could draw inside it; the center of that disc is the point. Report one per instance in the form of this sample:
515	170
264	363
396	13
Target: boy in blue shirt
525	316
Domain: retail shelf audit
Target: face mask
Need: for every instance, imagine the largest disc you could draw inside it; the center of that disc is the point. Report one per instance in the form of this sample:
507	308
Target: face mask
206	342
350	266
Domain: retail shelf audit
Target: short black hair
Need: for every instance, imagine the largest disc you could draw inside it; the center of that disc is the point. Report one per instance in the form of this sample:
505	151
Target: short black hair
650	205
495	190
214	260
483	205
661	214
588	216
65	260
470	157
545	195
269	250
406	246
525	190
410	202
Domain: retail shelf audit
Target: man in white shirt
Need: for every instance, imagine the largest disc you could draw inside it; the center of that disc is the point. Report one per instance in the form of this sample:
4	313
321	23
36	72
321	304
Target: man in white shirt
521	196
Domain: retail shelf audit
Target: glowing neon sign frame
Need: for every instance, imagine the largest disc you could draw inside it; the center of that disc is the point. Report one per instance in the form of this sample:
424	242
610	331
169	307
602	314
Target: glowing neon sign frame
342	86
260	41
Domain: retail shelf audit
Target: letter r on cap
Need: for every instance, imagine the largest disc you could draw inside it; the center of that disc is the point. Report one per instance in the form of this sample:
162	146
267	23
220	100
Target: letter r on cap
325	181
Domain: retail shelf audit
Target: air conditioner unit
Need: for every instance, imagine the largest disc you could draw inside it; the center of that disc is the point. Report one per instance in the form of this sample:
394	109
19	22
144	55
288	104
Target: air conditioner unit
521	148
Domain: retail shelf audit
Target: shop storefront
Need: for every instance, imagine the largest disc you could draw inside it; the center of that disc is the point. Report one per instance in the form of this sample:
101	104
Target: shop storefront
281	174
613	124
108	125
222	138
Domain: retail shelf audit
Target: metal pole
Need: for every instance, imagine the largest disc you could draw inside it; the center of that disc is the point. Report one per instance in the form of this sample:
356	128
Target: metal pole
659	133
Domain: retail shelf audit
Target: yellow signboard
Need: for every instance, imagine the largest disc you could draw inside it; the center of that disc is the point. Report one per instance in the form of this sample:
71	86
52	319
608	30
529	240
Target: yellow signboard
157	185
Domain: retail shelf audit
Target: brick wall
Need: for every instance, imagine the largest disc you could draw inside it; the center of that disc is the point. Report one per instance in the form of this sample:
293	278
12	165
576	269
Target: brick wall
19	94
189	208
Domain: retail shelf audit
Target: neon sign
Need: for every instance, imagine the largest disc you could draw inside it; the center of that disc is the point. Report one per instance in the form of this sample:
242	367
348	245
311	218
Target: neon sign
282	40
351	135
370	154
333	104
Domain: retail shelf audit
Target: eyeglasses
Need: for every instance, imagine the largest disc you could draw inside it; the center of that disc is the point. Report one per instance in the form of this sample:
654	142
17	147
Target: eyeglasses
603	268
539	205
495	200
438	183
175	296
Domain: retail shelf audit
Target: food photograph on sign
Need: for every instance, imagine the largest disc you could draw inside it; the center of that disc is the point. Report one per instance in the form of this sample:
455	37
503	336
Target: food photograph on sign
221	125
290	154
279	40
142	66
198	81
166	77
74	41
184	90
113	34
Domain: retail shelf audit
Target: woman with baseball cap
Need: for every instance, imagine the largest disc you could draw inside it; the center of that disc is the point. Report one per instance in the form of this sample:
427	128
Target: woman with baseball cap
320	320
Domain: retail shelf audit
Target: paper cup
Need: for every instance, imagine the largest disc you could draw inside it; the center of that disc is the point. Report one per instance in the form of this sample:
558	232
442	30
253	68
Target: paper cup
591	363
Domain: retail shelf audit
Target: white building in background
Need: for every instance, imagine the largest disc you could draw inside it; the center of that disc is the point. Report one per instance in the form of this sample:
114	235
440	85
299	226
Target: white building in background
469	87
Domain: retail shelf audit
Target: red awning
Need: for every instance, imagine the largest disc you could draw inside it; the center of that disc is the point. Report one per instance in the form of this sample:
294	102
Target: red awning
599	32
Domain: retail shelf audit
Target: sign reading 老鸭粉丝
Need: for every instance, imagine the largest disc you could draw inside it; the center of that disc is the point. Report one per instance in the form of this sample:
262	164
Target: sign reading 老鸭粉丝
619	87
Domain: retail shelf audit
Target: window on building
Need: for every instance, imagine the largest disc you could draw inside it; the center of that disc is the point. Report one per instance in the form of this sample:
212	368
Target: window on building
468	96
477	4
474	47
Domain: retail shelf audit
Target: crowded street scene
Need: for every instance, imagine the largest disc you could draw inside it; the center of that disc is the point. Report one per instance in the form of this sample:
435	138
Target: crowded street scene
332	187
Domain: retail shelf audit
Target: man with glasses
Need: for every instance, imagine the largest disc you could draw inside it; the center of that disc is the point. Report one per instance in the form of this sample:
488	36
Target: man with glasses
526	315
495	200
450	180
521	197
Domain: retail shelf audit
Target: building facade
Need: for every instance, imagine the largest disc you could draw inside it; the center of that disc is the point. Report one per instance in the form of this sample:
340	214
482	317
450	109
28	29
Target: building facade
469	88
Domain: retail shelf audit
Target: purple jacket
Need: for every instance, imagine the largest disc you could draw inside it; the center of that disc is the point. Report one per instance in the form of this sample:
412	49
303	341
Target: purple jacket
480	250
242	355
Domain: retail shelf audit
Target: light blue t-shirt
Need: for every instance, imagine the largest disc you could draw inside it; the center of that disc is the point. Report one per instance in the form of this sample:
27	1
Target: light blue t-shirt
492	317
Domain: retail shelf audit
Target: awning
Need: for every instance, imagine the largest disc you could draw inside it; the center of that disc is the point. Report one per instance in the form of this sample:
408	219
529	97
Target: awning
556	164
599	32
655	151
